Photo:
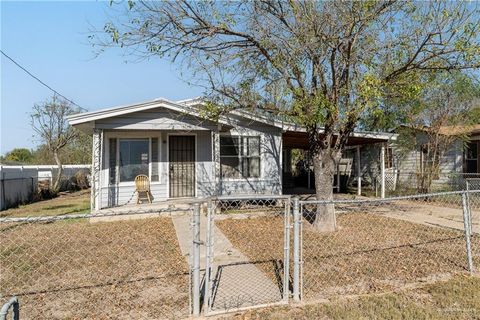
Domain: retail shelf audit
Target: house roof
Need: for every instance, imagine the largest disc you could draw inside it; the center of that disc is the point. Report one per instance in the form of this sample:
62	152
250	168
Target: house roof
192	107
459	130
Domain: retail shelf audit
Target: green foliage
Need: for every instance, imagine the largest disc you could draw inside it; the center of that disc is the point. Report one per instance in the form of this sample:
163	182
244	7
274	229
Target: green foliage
19	155
475	115
211	111
79	151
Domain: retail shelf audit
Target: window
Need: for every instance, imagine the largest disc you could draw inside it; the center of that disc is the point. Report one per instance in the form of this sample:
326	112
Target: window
134	158
389	158
240	157
471	157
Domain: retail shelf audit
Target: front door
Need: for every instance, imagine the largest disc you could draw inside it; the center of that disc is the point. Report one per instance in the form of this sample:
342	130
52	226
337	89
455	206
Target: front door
181	157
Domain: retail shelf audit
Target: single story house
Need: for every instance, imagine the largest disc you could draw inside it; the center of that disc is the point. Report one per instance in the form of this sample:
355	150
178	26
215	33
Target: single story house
460	162
186	155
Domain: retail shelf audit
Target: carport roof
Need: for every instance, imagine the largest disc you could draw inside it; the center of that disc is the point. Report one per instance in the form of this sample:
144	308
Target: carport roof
299	140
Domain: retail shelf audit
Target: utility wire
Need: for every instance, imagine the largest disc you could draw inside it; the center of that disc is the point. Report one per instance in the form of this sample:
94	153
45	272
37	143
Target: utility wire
43	83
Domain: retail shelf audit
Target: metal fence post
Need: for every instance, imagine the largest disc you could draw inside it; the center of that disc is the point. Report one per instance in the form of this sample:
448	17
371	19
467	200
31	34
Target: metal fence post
286	259
208	255
467	232
296	250
12	303
469	212
196	260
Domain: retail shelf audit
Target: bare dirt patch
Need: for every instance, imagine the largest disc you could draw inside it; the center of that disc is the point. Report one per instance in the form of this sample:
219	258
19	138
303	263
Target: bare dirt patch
76	269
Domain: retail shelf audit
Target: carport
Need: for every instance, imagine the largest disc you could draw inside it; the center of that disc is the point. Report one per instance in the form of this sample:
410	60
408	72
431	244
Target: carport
296	138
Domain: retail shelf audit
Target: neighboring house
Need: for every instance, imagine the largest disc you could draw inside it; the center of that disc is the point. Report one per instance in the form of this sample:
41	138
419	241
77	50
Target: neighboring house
185	155
471	149
459	162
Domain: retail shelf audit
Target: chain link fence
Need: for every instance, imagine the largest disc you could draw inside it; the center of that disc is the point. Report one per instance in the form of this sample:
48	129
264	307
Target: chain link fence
94	266
369	246
233	253
248	252
409	183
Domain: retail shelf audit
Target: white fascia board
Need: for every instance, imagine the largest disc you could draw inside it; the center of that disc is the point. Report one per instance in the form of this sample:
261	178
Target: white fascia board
77	119
356	134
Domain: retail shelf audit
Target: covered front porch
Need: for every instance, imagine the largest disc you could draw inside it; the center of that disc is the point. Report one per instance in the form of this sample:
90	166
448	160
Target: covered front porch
178	164
366	153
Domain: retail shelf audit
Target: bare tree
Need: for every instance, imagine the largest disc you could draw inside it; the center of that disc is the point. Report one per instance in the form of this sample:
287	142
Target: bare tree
321	64
49	121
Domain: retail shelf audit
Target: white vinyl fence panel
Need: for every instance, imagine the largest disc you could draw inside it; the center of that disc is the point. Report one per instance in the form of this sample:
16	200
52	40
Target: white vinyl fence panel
18	184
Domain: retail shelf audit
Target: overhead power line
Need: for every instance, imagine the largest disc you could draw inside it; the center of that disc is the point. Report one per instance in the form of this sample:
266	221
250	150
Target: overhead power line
43	83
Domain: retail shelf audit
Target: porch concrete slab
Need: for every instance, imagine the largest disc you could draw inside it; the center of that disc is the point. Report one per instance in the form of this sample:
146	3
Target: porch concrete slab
237	282
144	210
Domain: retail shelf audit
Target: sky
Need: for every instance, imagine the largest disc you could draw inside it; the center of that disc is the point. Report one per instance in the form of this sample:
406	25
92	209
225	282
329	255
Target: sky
50	39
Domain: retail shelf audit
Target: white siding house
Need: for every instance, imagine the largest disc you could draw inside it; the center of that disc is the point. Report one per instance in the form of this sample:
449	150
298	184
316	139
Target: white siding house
185	155
180	152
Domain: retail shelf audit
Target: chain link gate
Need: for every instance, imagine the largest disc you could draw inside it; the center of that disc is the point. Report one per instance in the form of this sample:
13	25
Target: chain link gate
247	253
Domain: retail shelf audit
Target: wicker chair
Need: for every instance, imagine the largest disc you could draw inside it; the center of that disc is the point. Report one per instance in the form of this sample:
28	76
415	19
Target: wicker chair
142	185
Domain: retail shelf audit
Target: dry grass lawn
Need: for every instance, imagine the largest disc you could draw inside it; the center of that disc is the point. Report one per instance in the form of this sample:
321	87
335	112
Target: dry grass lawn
456	298
68	203
75	269
368	253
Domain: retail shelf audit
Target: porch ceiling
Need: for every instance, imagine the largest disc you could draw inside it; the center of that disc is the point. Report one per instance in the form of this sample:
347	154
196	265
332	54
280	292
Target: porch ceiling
299	140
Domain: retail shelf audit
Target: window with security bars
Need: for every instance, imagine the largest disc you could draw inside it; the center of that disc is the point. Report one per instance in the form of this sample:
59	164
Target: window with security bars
240	156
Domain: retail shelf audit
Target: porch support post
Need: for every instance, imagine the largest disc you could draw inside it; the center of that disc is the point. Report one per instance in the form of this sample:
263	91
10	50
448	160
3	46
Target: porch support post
359	173
338	176
216	160
382	170
97	147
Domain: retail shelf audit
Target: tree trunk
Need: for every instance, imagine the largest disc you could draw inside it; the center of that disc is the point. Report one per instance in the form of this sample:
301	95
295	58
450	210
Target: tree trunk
58	178
324	162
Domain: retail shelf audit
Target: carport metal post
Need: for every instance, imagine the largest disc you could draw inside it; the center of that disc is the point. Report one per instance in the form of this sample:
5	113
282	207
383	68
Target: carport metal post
359	173
196	260
467	232
296	250
382	170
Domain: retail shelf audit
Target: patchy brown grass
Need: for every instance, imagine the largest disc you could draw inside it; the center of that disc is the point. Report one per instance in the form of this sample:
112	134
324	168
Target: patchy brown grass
368	253
77	269
67	203
456	298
